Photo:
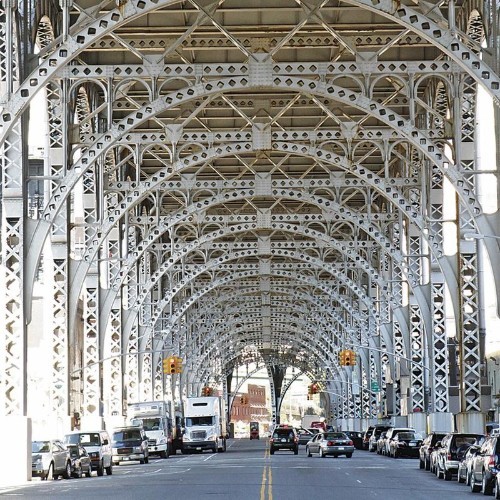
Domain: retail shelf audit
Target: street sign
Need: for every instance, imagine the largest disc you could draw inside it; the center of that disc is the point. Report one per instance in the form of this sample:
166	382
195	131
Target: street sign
375	387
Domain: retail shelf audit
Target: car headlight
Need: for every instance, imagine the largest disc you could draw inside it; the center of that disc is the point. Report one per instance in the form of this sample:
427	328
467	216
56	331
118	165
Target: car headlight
39	461
161	440
186	438
137	449
213	437
94	454
113	450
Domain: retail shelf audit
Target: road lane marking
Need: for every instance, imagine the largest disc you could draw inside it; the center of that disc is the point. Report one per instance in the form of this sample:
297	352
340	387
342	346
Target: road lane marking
209	457
263	485
270	485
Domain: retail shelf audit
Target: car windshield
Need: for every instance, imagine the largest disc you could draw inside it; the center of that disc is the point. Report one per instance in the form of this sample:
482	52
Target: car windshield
461	440
335	435
194	421
85	439
152	424
40	446
128	435
73	451
408	435
283	434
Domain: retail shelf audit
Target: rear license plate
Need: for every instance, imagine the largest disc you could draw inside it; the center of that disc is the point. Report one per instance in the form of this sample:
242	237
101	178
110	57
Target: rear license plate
198	449
341	448
283	440
413	444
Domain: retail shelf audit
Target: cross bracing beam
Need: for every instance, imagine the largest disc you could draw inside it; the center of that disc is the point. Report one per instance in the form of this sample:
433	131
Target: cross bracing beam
201	369
139	190
192	211
332	116
451	42
297	299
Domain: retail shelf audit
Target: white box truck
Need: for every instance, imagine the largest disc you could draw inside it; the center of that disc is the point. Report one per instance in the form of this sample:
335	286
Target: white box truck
204	424
154	418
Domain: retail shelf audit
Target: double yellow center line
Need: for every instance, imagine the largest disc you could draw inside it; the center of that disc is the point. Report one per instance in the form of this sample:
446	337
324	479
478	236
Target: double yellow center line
267	479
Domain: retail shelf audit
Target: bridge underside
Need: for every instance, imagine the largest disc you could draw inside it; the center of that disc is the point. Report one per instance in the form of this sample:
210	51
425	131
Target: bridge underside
248	182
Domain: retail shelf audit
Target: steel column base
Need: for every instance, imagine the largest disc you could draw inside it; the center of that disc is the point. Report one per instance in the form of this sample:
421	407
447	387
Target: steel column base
440	422
15	436
472	421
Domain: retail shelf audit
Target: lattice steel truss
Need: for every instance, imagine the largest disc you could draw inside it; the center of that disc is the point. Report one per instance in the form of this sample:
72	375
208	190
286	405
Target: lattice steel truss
236	192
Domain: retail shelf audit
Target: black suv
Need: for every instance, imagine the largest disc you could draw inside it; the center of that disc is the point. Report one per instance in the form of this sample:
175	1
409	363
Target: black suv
428	445
284	438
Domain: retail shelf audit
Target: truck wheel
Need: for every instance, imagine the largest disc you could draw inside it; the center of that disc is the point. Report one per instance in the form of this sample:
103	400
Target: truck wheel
100	469
109	470
164	454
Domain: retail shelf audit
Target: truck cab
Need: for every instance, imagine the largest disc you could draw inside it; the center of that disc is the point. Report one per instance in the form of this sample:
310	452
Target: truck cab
154	418
204	425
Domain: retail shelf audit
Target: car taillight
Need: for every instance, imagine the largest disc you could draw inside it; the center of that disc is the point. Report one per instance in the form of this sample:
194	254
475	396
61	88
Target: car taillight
271	440
295	440
492	461
330	443
350	443
449	456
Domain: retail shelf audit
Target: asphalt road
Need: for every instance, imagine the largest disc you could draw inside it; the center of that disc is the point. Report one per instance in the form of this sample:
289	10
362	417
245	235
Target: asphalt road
247	472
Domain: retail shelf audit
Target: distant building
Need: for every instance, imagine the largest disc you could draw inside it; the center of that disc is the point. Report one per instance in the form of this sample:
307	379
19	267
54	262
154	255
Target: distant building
251	406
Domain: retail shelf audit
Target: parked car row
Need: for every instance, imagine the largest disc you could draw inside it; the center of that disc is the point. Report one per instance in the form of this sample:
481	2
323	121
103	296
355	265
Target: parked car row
392	441
474	459
79	453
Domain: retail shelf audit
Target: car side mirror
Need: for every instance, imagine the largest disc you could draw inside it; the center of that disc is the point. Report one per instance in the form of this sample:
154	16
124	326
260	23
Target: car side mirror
105	441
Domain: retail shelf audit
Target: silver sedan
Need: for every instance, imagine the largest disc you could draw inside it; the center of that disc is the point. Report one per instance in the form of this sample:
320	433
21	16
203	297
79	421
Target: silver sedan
330	443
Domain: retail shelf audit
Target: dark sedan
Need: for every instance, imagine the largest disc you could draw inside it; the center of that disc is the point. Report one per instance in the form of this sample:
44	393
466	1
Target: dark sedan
80	461
356	438
405	444
304	436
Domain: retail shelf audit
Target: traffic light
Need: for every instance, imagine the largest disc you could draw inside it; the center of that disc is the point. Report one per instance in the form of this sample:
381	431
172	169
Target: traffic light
350	358
342	358
178	364
169	365
309	391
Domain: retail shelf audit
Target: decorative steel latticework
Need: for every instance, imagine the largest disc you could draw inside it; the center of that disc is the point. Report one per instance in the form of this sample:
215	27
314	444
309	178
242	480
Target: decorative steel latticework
241	194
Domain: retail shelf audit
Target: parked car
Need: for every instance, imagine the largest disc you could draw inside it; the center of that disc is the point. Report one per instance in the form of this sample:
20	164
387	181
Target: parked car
98	446
452	450
405	444
129	443
330	443
366	436
428	444
464	467
80	461
304	436
356	438
380	446
50	459
389	436
284	438
377	431
484	466
496	487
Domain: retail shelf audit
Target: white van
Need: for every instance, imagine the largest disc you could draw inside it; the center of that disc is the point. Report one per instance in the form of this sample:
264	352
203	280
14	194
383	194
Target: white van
98	446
